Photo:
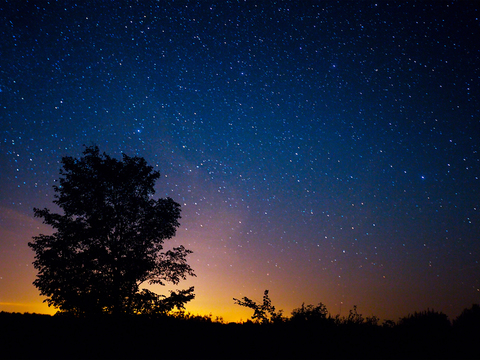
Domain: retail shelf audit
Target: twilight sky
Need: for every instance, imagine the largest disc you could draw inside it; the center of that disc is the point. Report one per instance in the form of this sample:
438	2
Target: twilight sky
325	150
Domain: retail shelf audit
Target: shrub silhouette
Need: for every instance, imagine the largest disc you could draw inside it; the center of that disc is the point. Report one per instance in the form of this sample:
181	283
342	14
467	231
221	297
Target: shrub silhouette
309	313
354	318
263	313
469	320
426	321
124	337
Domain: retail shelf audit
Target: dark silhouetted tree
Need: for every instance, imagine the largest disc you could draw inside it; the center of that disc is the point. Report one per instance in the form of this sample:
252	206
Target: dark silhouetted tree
263	313
109	239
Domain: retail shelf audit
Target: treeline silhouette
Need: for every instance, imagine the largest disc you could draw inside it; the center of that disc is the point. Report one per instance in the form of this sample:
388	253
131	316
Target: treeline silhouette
310	332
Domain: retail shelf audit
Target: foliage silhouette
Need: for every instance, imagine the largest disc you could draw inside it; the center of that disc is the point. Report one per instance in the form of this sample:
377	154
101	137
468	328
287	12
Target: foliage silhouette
428	321
148	303
467	329
388	324
310	313
109	239
469	320
354	317
427	334
263	313
130	337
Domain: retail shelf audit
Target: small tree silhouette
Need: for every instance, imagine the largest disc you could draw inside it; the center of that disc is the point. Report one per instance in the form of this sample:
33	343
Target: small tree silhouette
263	313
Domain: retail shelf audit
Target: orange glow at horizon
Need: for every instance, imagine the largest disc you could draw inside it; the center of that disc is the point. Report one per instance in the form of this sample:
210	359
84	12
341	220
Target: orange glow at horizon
225	272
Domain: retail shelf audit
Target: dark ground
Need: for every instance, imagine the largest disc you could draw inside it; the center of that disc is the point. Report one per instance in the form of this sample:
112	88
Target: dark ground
32	336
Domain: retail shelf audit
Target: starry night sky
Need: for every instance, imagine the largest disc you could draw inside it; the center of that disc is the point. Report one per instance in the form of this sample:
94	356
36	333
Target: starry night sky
325	150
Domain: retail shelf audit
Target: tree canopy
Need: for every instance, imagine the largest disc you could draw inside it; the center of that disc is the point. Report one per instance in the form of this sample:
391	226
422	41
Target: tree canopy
109	239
